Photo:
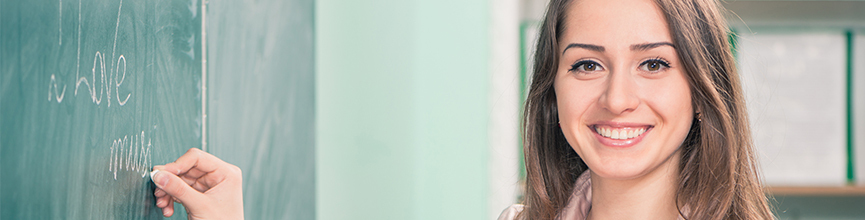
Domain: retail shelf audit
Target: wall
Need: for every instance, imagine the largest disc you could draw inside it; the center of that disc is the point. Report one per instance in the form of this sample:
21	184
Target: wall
401	109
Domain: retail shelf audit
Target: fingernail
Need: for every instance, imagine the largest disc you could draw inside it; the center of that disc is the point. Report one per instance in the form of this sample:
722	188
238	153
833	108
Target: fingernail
153	172
158	178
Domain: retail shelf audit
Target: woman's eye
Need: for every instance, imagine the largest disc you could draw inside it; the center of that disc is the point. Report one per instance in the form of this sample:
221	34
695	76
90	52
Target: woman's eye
654	65
586	66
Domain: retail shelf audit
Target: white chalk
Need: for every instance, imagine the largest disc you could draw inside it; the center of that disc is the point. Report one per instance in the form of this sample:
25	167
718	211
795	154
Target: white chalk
153	173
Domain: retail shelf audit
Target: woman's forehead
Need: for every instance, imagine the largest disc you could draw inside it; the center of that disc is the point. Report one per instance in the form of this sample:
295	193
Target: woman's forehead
614	23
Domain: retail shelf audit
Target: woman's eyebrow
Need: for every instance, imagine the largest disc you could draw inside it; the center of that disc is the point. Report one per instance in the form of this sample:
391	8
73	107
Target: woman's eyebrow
635	47
584	46
649	46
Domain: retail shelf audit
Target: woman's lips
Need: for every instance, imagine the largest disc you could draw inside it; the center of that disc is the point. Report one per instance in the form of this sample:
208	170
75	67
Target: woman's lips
620	135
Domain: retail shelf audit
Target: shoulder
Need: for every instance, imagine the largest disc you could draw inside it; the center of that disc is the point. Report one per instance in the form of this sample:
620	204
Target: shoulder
511	212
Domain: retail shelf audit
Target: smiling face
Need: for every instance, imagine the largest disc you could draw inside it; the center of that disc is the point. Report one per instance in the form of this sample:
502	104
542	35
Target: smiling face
623	100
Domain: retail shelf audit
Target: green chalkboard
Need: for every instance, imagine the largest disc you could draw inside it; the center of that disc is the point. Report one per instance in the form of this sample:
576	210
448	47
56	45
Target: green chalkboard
94	93
261	101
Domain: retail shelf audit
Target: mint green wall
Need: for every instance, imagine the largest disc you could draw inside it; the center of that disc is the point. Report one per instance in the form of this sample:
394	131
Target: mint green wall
401	101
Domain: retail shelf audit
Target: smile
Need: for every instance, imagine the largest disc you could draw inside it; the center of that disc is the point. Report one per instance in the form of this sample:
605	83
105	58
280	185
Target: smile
620	135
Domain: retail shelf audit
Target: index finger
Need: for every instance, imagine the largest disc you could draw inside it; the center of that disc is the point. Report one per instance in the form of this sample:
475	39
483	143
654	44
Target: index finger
197	159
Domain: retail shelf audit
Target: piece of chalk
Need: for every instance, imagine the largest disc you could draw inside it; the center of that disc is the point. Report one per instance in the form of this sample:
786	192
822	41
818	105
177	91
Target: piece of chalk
153	173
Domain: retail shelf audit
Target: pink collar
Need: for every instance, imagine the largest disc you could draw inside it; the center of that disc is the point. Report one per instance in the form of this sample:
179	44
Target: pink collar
581	199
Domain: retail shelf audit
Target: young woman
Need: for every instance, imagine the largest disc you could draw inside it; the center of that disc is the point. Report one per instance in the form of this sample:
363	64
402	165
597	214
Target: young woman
635	112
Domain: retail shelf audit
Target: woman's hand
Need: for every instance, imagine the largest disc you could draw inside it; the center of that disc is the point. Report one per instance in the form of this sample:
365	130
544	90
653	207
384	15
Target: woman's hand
208	187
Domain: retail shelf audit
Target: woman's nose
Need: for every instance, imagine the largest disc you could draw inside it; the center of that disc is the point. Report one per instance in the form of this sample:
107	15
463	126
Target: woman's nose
620	96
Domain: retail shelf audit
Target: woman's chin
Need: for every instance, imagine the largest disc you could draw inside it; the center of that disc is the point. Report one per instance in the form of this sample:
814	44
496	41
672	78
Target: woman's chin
618	174
620	170
629	167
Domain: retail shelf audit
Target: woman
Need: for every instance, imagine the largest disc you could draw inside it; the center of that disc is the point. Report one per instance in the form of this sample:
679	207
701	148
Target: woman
635	112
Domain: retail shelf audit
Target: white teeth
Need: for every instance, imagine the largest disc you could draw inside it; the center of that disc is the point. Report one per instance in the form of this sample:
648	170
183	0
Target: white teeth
620	134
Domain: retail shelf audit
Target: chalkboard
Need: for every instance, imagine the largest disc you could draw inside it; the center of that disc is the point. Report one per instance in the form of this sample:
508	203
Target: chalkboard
261	101
93	93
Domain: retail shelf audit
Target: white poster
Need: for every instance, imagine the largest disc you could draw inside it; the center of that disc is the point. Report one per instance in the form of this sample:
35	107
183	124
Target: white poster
795	91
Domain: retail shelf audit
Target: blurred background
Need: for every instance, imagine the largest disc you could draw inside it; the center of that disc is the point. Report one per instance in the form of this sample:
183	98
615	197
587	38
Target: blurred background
375	109
418	105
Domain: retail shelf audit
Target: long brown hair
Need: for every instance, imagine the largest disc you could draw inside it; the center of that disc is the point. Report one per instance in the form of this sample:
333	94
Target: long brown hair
718	179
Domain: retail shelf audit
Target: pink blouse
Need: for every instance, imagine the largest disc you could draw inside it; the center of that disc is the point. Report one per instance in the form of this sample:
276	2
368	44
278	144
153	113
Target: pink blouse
578	205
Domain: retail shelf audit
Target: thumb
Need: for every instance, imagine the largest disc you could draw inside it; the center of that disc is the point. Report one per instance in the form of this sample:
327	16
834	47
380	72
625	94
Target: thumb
177	188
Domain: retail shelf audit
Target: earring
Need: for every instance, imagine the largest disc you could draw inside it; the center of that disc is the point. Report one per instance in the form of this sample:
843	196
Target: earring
699	116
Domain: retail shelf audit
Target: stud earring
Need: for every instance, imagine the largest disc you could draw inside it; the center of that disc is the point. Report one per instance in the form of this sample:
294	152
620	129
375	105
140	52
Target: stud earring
699	116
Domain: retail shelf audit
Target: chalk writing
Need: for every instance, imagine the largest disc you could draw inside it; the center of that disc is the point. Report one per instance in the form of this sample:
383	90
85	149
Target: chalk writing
57	96
116	28
108	78
117	83
130	154
60	23
78	54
